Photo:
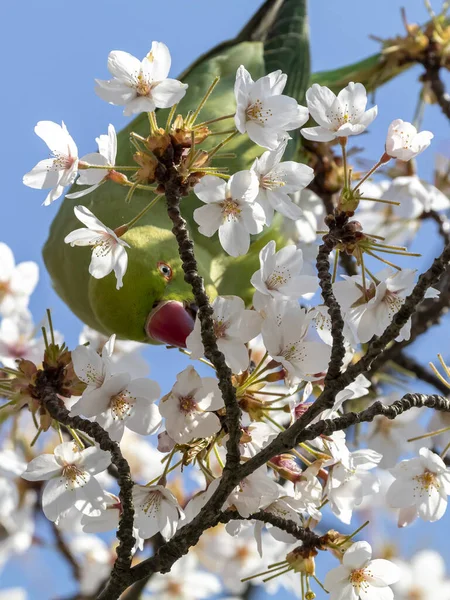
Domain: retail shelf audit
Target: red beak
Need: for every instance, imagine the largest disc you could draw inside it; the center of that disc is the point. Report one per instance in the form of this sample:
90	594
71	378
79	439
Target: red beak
170	323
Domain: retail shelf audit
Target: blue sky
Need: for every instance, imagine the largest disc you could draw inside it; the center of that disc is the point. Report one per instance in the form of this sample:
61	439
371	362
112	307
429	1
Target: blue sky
52	53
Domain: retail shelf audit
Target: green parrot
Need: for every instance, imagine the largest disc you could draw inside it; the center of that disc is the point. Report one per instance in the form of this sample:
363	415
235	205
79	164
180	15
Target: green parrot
155	304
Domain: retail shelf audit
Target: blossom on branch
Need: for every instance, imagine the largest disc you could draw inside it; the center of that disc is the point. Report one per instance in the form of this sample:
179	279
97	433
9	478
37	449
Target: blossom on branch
108	250
403	141
187	409
141	86
69	473
262	111
338	116
17	282
231	209
234	326
105	157
420	489
59	171
361	577
279	179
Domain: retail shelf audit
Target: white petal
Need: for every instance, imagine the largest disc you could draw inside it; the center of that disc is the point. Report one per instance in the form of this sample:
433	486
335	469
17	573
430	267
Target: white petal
42	176
41	468
168	92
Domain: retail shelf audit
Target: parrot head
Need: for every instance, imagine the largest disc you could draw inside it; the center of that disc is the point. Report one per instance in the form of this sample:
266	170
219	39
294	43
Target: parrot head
155	304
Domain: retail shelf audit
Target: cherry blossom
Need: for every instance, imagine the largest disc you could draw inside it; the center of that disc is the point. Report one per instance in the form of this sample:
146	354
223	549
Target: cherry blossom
59	171
420	489
262	111
106	156
413	583
284	333
279	275
415	196
279	179
403	141
92	368
122	402
187	409
389	436
184	582
126	354
157	511
69	473
108	252
361	577
349	481
371	312
303	231
230	209
18	340
338	116
253	493
17	282
141	86
234	327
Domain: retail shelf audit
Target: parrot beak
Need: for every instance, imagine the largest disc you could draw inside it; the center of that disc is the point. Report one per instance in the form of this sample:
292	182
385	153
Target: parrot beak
170	323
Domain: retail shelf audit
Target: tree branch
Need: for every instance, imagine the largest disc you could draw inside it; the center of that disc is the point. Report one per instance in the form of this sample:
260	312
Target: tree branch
330	240
173	187
392	411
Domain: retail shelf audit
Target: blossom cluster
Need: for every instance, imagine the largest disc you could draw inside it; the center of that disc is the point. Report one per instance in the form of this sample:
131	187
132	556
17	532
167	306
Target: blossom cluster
278	351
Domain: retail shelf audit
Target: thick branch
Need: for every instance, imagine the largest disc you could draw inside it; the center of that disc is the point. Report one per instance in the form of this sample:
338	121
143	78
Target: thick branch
392	411
205	314
334	310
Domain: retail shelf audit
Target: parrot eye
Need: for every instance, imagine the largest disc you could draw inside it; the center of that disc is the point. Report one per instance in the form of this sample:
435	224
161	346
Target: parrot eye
165	270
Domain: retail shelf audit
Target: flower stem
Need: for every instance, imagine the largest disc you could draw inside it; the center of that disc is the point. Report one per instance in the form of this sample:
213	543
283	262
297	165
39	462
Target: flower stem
368	174
203	101
143	212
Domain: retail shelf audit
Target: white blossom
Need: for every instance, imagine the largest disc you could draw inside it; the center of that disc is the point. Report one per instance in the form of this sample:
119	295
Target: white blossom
141	86
18	340
338	116
303	231
105	157
422	577
254	492
187	409
361	577
349	481
126	354
420	489
369	313
122	402
284	333
230	209
17	282
403	141
278	179
69	473
280	273
262	111
234	327
390	436
157	511
108	252
59	171
184	582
